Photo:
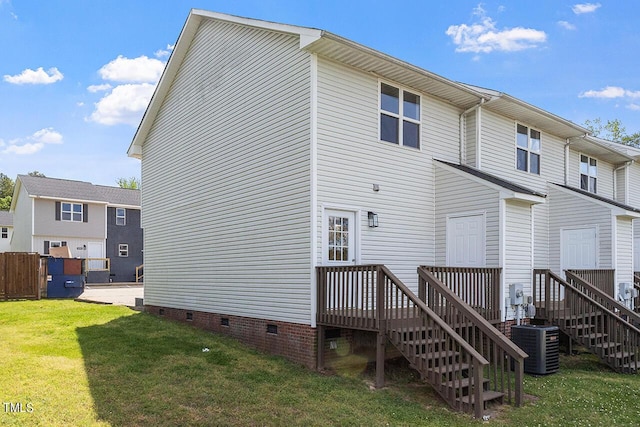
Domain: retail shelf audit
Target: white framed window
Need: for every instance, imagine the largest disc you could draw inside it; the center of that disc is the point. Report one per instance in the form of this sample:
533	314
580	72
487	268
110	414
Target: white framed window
399	116
588	174
121	216
528	149
55	244
5	233
71	212
123	250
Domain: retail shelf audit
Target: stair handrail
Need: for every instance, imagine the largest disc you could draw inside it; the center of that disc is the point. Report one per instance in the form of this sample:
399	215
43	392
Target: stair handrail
479	361
601	297
495	336
631	333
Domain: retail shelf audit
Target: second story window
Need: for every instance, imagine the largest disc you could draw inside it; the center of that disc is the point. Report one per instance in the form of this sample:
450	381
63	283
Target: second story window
588	174
121	216
399	116
71	212
528	150
5	233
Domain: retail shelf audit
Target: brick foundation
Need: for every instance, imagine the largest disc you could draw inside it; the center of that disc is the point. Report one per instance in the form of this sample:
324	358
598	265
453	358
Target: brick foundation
293	341
505	327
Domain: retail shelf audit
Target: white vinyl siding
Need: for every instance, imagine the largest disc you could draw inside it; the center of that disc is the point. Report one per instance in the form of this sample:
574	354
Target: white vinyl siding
456	195
351	159
471	143
23	223
633	186
517	251
498	153
624	250
77	246
621	181
231	145
541	235
567	211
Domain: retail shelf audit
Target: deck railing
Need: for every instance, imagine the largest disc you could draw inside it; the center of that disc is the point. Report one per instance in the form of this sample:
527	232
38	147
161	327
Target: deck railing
614	340
370	297
139	273
602	297
603	279
506	360
477	287
97	264
636	286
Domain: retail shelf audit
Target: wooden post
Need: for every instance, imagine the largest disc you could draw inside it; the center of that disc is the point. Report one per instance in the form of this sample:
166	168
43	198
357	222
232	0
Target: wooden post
380	353
382	327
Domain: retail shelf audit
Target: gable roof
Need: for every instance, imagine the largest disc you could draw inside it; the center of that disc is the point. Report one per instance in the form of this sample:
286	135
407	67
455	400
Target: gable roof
601	199
312	40
81	191
6	218
492	179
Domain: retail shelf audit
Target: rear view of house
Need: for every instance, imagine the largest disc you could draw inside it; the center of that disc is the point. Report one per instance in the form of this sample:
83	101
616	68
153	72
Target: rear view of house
324	193
97	223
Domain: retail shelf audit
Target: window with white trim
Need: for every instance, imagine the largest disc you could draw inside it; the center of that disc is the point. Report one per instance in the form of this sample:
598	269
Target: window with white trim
121	216
71	211
5	233
123	250
588	174
528	149
399	116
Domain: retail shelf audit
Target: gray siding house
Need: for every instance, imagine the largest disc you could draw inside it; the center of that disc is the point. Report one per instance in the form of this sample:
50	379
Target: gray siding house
51	212
289	148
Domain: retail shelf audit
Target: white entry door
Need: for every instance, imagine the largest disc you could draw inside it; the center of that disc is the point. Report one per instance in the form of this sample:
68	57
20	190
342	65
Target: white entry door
94	250
579	249
466	241
339	232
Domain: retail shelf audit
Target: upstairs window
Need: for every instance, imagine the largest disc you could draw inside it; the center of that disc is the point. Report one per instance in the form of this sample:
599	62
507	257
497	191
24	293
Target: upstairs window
588	174
399	116
71	212
5	233
528	150
121	216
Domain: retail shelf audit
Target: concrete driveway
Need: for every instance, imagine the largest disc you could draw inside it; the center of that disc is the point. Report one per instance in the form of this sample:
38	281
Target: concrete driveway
112	293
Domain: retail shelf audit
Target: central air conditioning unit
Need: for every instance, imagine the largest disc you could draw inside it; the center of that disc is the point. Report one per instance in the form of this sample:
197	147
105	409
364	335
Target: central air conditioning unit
542	344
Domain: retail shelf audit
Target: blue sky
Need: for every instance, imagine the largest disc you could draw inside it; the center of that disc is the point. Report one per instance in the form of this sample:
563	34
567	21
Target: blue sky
76	76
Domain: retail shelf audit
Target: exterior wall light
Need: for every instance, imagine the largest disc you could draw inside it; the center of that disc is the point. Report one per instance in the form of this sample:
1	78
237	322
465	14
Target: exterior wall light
373	219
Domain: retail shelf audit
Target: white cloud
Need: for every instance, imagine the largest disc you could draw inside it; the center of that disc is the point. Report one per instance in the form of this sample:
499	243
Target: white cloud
137	70
164	53
124	104
99	88
608	92
39	76
32	144
581	8
566	25
634	107
483	37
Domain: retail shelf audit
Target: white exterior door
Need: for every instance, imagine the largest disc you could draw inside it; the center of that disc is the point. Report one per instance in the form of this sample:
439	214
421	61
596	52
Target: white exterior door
339	232
94	250
579	249
466	241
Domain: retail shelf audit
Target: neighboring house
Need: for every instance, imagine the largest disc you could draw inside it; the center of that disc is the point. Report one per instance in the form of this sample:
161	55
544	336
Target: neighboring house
93	221
287	148
6	230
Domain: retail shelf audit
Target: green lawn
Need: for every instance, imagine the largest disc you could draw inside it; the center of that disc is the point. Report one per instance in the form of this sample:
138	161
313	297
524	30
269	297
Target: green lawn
74	364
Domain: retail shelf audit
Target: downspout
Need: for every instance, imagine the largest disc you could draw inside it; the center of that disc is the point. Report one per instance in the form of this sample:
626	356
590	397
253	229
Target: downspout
462	138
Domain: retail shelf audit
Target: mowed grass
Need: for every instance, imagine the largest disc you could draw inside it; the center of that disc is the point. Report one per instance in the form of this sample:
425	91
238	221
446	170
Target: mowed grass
75	364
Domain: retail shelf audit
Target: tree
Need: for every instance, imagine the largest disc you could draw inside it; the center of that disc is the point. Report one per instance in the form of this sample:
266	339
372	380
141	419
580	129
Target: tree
6	192
36	173
613	130
132	183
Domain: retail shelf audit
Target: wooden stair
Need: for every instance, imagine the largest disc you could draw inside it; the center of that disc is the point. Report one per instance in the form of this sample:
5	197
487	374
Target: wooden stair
442	367
590	318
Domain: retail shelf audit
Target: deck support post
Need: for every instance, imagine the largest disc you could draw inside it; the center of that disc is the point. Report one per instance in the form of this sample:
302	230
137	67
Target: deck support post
380	356
320	340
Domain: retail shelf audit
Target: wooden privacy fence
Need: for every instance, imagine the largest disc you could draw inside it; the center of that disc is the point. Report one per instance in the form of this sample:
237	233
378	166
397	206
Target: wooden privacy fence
22	275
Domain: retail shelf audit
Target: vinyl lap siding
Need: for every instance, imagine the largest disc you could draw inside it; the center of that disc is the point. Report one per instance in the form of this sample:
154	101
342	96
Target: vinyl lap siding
541	235
571	211
226	173
470	124
605	175
351	159
518	266
22	223
624	251
457	195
